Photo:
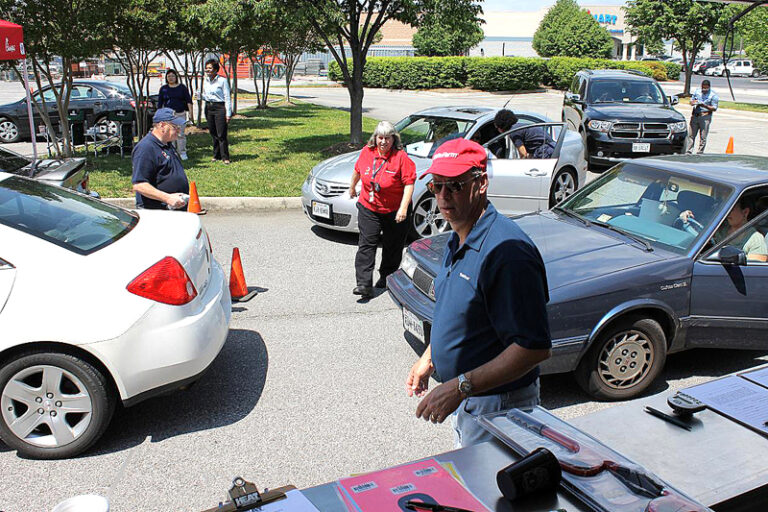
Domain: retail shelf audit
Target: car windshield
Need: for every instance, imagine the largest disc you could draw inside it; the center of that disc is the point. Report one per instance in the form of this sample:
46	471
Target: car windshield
647	203
62	217
422	135
625	91
11	162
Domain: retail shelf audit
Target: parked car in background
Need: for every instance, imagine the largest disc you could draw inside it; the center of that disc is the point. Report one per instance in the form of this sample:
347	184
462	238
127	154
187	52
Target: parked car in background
629	280
741	67
706	64
98	306
64	172
521	185
95	99
621	115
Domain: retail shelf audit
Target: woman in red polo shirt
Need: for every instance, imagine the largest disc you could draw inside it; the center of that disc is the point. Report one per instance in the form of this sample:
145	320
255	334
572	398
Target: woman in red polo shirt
383	207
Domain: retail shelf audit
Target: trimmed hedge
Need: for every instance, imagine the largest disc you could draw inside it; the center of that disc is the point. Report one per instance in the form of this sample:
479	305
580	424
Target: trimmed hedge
490	73
505	73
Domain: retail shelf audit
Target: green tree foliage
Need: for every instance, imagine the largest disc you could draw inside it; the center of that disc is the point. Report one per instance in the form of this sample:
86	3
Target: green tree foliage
348	28
754	28
689	23
70	29
567	30
449	27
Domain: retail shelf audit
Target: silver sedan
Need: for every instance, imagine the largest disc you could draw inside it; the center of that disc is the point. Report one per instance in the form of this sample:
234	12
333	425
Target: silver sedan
516	185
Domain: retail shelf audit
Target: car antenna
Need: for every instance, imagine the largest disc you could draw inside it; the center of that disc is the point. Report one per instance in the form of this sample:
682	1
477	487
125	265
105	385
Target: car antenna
507	103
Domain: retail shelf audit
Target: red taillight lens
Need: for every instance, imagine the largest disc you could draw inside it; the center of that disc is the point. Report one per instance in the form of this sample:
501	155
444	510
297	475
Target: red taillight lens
133	103
166	281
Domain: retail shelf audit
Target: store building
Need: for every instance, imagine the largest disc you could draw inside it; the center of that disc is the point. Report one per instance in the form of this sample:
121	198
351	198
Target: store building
510	33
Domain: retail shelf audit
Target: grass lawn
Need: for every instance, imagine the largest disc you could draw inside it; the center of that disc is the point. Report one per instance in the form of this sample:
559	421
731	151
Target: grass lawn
735	105
272	151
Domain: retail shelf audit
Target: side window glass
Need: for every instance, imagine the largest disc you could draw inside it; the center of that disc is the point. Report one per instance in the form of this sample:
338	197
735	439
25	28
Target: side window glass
583	89
47	95
575	84
746	227
83	92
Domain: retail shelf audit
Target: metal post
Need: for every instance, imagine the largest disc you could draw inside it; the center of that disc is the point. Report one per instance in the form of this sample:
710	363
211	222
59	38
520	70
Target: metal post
29	112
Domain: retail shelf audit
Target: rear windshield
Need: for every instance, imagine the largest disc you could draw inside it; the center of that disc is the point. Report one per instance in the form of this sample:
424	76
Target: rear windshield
70	220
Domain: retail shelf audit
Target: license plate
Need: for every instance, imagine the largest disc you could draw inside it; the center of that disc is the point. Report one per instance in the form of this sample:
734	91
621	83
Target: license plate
321	210
641	147
413	325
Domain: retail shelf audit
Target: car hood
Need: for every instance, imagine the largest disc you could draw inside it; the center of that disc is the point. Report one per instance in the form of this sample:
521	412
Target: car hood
339	168
567	262
636	112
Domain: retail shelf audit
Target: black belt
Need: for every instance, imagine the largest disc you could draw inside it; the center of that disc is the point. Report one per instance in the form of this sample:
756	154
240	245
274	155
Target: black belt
215	102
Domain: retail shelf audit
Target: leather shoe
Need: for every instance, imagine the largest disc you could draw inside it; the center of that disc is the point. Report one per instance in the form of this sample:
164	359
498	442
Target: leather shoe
381	283
365	291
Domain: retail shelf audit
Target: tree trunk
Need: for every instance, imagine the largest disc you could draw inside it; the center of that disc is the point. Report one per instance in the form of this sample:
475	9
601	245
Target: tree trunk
233	67
356	93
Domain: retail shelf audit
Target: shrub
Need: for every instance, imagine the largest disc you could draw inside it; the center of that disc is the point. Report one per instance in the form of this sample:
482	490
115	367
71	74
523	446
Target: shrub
673	70
560	70
505	73
570	31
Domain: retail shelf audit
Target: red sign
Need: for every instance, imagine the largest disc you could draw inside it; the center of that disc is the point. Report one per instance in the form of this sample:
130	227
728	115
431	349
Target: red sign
11	41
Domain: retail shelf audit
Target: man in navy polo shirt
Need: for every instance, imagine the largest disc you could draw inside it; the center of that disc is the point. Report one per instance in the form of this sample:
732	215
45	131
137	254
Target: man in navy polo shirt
490	328
158	176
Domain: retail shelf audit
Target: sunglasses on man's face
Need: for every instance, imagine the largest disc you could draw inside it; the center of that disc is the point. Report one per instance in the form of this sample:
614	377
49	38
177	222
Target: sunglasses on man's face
451	186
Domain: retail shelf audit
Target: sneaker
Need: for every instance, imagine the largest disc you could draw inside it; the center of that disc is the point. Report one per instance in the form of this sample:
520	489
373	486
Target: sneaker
184	156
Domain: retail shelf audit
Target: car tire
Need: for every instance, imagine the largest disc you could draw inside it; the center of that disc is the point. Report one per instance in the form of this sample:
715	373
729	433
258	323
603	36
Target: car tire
9	131
624	360
755	73
53	382
564	184
426	219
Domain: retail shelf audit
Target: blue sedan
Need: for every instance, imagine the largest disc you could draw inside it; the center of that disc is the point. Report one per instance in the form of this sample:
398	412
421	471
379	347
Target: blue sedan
656	256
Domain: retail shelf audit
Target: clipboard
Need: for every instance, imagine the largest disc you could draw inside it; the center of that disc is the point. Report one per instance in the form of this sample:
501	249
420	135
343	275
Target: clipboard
246	496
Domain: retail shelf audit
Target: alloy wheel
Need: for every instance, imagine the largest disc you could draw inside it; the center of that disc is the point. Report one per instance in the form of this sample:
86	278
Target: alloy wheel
9	132
46	406
564	186
427	219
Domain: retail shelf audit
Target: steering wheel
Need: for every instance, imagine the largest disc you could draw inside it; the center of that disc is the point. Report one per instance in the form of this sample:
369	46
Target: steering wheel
680	224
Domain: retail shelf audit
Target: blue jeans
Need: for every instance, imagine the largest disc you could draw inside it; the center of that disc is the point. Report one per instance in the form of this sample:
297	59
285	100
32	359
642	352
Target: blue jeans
467	431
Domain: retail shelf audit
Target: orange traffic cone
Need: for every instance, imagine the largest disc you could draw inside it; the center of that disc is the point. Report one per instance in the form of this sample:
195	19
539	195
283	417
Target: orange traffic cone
237	287
194	201
729	148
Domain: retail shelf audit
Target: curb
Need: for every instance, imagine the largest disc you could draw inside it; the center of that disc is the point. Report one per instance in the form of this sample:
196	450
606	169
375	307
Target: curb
227	204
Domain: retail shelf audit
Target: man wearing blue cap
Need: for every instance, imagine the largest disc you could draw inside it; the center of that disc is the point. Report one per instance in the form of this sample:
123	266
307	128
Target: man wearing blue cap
158	178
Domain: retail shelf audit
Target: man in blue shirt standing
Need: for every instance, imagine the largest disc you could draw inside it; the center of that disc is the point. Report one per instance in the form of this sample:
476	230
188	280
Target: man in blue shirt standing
490	329
158	176
704	102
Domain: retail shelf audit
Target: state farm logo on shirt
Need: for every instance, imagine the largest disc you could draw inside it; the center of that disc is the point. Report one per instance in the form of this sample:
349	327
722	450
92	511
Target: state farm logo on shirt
367	171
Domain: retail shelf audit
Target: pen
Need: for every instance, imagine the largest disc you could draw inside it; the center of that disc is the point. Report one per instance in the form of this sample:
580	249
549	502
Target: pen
435	507
667	417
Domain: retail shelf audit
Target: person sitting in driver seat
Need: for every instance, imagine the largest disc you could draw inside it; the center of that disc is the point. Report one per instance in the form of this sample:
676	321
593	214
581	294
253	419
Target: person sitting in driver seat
533	142
751	241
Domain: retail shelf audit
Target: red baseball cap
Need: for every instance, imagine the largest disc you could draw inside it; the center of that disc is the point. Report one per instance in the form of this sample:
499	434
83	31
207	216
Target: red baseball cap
457	156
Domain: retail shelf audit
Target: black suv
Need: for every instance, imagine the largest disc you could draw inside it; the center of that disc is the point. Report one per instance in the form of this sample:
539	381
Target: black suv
622	115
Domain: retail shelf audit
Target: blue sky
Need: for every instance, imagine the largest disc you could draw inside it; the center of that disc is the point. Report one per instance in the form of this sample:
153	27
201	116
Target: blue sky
535	5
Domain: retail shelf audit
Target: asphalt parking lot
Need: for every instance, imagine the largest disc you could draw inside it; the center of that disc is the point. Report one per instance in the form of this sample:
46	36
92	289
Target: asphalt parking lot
308	388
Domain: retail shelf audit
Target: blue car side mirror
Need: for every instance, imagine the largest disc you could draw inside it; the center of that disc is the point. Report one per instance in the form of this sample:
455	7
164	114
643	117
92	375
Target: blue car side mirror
730	255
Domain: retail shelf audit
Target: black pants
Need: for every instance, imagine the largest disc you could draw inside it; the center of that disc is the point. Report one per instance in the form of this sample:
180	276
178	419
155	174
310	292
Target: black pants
216	116
375	227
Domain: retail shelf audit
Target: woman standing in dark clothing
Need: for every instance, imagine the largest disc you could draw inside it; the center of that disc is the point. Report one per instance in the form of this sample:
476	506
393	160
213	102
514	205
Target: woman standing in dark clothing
387	175
175	95
218	109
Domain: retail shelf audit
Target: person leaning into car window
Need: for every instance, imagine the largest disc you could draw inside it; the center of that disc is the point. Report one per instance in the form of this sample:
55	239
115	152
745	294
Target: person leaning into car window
751	241
387	175
158	177
532	142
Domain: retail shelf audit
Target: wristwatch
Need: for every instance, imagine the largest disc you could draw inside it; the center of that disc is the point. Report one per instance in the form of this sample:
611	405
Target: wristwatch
465	386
